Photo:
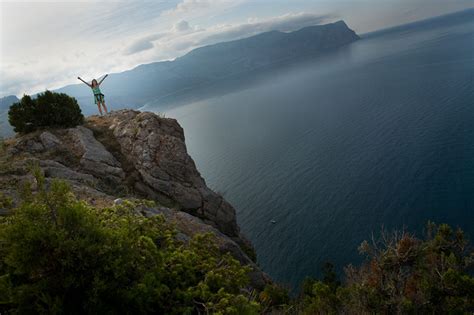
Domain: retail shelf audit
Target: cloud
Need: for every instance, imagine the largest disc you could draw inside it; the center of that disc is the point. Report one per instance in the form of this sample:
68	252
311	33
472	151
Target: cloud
146	43
183	37
181	26
138	46
143	44
189	6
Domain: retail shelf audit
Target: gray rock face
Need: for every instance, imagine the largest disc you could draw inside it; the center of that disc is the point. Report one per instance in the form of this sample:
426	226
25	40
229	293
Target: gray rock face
156	148
49	140
95	157
34	146
55	169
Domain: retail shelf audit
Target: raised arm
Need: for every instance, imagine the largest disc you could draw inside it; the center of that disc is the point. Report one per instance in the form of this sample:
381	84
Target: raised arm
103	79
85	82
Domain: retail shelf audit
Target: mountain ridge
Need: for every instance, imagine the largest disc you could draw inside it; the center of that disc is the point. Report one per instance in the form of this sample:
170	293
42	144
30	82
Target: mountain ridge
195	75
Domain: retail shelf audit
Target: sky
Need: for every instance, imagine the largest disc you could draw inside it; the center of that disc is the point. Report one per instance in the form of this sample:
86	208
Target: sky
46	45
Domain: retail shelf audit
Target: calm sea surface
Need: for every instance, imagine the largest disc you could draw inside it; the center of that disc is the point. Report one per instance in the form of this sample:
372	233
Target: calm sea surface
379	133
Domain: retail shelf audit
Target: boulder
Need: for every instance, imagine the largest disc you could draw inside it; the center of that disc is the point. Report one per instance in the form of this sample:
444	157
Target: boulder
49	140
95	159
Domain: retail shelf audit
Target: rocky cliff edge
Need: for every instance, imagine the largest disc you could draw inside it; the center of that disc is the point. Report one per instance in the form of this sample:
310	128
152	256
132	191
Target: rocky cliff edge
129	154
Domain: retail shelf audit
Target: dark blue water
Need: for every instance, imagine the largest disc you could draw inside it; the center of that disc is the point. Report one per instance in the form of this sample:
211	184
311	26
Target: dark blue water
379	133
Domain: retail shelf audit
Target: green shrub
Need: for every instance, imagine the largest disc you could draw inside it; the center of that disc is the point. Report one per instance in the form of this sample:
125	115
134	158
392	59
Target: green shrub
321	296
49	109
274	295
58	255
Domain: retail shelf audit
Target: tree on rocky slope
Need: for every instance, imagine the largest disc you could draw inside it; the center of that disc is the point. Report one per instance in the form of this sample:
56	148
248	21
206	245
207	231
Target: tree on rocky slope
49	109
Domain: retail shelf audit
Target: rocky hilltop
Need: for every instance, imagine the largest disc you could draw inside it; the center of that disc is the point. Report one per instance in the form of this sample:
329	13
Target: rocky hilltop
129	154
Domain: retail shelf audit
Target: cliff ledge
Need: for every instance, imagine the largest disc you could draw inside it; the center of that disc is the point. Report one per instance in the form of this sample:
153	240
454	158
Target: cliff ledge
129	155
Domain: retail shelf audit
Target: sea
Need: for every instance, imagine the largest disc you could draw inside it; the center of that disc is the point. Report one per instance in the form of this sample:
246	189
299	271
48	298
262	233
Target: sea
322	155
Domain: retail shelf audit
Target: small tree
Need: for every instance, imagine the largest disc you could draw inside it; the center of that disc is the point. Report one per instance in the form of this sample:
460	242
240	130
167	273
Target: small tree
49	109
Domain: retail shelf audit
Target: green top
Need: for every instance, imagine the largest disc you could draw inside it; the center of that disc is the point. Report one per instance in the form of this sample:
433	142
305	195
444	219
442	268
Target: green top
96	90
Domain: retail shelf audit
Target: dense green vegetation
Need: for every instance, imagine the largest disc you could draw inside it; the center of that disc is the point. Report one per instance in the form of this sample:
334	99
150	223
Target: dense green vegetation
59	255
48	109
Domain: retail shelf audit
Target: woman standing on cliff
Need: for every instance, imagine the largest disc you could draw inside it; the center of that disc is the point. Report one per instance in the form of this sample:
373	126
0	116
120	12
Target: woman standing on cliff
98	96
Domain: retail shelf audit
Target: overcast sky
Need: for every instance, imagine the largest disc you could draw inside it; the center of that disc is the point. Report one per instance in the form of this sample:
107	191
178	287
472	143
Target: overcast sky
45	45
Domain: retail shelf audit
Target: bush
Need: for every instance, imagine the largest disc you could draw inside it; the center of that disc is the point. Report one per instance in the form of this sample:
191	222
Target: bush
49	109
274	295
60	256
320	296
403	274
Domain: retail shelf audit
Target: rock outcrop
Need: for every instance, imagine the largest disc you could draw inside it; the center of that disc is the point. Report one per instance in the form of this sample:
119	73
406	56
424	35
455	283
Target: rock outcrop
129	154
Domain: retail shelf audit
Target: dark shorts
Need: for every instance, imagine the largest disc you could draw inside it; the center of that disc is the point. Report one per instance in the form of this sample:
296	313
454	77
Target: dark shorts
98	98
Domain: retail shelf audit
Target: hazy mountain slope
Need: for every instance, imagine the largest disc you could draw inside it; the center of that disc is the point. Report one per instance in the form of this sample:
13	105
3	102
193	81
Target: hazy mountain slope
209	69
5	103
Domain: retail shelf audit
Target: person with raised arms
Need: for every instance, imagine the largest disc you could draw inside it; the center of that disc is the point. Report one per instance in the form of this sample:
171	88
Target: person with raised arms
98	96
